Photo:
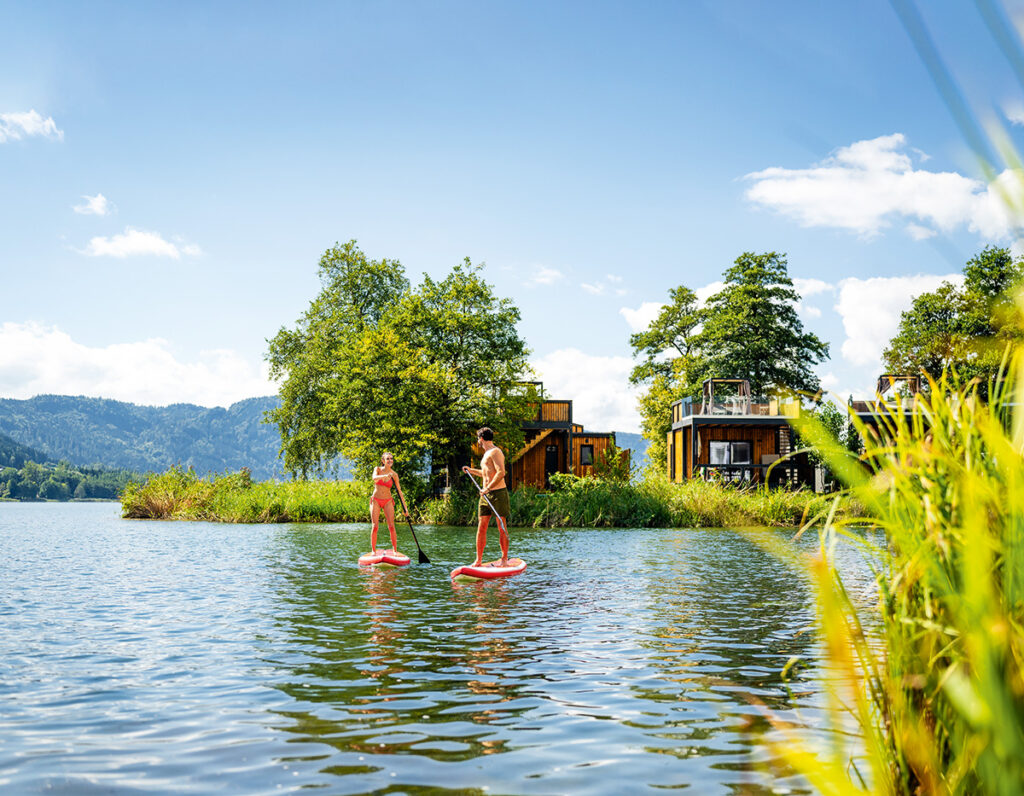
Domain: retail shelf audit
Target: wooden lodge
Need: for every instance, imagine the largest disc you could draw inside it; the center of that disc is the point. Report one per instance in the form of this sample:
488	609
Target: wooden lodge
895	394
733	436
554	444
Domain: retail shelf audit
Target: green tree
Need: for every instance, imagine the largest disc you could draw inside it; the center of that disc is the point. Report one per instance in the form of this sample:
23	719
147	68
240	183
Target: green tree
413	371
669	367
52	489
966	328
751	329
311	359
748	330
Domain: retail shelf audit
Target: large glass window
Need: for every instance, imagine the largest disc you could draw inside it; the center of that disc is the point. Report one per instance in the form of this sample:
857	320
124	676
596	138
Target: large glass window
720	452
586	455
730	452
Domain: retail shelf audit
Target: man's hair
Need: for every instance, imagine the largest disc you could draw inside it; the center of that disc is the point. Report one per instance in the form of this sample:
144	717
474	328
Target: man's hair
486	434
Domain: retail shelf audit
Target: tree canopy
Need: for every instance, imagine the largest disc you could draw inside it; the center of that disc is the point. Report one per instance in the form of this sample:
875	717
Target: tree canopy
375	364
963	327
748	330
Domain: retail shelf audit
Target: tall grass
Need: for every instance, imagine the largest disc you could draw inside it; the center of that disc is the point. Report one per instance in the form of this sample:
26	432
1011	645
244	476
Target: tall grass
180	494
575	502
938	692
652	503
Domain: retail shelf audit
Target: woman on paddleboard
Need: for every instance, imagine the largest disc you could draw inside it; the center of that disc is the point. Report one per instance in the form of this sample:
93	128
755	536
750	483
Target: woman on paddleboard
383	479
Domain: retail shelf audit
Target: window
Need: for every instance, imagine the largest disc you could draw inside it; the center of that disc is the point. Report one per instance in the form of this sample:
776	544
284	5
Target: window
730	452
719	452
586	455
741	453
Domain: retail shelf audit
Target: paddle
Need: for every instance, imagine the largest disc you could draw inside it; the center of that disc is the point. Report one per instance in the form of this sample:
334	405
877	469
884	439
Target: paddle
501	522
423	556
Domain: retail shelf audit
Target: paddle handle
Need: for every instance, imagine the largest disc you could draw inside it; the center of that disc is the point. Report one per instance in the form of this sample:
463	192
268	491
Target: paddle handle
422	556
501	522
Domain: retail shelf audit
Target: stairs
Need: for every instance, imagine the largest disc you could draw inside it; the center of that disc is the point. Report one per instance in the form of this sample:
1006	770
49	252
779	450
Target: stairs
786	448
530	444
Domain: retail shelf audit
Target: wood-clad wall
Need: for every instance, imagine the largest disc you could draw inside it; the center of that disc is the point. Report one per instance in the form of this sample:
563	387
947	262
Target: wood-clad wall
762	439
680	463
600	443
529	469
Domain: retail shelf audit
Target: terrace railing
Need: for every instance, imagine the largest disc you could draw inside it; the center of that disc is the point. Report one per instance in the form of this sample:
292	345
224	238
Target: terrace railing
554	412
738	407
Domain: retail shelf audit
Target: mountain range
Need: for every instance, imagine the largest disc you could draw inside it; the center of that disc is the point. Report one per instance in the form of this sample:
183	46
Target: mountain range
98	431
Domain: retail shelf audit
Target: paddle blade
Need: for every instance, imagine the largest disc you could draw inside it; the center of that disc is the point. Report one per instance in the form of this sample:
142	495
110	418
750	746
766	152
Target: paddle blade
423	558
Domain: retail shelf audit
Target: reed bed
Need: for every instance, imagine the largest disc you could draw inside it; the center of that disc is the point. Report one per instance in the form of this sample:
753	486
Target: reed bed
938	689
180	494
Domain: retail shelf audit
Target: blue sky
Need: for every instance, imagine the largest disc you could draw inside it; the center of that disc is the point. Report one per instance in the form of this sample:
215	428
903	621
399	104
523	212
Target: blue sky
173	171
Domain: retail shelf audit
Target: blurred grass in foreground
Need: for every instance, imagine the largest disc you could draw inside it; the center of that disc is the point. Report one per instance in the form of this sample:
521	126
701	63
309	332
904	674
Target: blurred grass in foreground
938	690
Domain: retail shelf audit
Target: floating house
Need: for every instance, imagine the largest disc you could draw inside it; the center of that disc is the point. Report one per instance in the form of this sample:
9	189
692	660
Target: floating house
734	436
554	444
895	394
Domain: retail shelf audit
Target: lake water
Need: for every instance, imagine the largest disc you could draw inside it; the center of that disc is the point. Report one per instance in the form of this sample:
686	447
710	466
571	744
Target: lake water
154	657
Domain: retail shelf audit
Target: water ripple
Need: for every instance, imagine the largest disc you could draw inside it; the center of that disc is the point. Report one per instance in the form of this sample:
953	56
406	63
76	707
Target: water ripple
147	657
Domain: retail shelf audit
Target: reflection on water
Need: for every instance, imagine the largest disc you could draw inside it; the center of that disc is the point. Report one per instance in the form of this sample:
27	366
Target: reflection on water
169	656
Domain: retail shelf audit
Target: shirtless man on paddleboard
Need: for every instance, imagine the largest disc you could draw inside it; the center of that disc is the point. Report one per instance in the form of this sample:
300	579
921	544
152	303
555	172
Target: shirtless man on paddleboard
492	474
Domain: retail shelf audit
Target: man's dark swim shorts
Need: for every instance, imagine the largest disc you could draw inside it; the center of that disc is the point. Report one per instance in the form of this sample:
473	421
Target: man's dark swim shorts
499	497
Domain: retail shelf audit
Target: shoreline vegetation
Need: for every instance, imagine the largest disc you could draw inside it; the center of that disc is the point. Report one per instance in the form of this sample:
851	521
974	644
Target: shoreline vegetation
181	494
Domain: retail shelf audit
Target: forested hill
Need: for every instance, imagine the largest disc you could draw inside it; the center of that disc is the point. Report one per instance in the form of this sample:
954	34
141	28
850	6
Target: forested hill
13	454
88	431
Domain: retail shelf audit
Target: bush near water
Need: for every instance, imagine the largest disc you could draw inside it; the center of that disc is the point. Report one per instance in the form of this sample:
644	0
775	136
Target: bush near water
181	494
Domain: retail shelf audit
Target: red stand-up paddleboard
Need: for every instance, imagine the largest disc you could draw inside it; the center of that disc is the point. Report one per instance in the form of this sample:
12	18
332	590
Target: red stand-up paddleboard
382	559
489	571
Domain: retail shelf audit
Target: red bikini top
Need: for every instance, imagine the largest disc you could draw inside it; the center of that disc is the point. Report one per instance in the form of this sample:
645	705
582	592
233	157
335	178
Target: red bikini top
383	481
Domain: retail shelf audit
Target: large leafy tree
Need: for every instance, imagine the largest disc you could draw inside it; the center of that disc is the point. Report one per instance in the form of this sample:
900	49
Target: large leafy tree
962	327
748	330
751	329
668	365
410	370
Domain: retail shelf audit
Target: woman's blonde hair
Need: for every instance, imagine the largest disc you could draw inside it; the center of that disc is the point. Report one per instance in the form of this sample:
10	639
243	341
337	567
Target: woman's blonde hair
384	455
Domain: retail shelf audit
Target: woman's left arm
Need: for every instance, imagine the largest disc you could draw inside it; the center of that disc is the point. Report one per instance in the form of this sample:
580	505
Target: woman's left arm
398	486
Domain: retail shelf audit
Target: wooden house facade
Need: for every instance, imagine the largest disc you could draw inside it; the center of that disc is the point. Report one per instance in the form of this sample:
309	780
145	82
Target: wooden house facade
555	444
733	436
895	395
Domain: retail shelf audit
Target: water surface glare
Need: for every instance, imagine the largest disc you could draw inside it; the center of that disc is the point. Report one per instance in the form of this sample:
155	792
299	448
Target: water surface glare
146	657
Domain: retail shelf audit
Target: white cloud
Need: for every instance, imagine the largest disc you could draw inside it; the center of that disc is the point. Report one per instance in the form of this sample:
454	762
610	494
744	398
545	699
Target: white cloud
543	275
917	232
869	185
37	359
15	126
706	292
602	397
609	286
643	316
136	242
870	310
1014	112
97	205
812	287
